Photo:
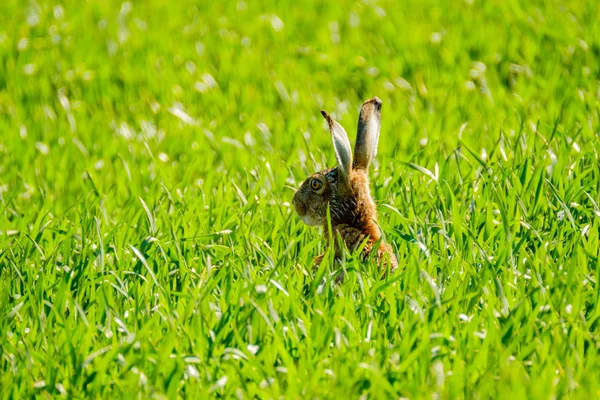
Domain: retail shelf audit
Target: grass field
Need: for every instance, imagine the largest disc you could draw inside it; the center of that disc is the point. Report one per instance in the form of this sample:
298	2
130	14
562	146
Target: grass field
149	152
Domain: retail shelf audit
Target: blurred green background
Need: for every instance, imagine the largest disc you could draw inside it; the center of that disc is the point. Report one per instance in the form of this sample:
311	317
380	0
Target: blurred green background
149	151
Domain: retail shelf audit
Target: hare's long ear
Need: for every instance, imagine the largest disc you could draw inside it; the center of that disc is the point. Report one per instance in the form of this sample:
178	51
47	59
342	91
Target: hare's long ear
367	135
341	144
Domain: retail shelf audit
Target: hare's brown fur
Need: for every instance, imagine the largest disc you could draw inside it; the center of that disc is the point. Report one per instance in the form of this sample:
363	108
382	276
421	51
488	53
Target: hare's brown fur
345	190
359	222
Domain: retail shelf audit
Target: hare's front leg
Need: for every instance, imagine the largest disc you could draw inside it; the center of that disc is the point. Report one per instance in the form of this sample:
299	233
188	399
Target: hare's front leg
317	261
340	276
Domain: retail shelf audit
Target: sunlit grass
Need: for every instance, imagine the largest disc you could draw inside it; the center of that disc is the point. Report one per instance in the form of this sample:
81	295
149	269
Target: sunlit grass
149	152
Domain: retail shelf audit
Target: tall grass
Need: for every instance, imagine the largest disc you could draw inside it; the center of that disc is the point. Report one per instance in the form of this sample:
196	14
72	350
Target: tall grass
149	152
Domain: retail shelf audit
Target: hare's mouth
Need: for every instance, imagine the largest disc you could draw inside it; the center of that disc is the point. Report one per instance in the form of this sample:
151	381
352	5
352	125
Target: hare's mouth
310	220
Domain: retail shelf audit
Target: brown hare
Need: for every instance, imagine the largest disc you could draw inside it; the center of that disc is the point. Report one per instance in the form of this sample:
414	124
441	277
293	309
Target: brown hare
345	189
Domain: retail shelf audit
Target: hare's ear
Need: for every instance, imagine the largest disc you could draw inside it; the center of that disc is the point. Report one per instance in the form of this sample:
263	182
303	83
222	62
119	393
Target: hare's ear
367	135
341	144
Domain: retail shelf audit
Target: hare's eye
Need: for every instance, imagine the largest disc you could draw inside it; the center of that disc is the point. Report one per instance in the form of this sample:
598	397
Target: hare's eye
316	184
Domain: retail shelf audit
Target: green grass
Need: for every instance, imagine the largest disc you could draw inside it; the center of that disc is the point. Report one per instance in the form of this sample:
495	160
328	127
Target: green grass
149	153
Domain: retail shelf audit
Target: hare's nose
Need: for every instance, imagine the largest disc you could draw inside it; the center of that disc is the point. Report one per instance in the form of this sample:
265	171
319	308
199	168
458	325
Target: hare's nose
298	205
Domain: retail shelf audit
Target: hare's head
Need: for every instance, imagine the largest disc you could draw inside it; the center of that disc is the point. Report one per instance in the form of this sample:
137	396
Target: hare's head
345	187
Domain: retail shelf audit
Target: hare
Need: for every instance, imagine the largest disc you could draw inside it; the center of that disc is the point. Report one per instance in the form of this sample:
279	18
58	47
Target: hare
345	189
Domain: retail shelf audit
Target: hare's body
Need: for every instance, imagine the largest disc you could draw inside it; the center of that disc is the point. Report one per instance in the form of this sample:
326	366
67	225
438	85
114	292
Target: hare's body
345	189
